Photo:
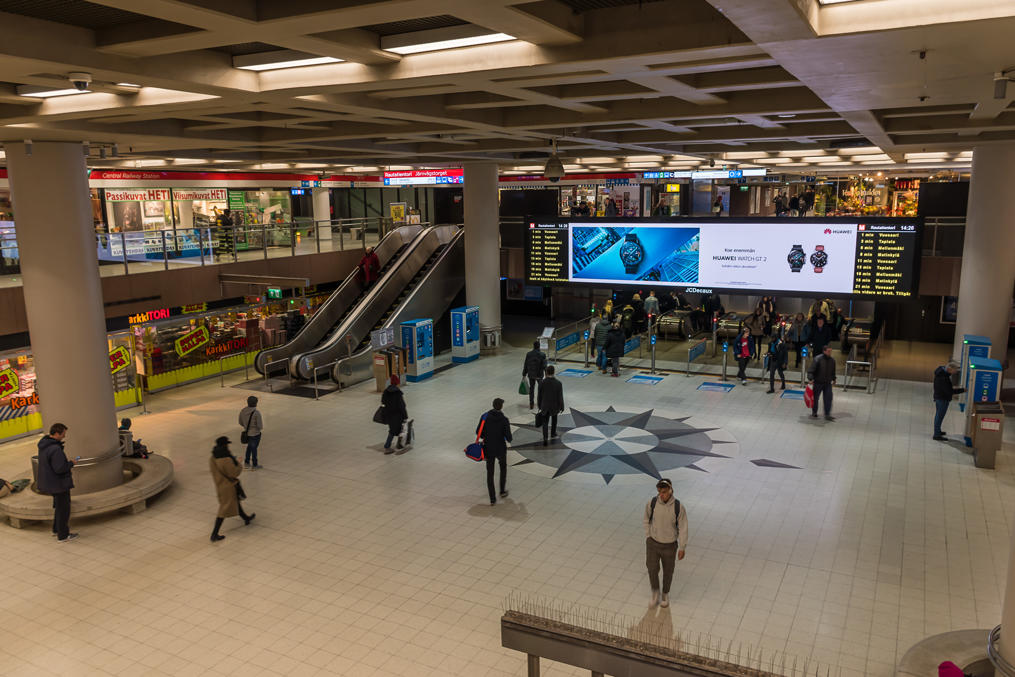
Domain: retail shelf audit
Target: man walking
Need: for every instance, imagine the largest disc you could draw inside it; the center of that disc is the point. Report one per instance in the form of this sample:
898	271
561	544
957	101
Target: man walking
54	478
822	378
533	368
250	419
614	347
665	539
778	360
496	433
943	393
602	329
551	403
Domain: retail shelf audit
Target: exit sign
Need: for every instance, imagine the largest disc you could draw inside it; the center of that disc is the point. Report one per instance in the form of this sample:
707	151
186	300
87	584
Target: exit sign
274	293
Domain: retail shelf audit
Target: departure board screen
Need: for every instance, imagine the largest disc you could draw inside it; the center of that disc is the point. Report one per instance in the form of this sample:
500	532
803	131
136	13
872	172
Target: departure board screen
866	258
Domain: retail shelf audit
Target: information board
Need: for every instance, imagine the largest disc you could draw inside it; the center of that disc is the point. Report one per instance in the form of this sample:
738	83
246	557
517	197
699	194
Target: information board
866	258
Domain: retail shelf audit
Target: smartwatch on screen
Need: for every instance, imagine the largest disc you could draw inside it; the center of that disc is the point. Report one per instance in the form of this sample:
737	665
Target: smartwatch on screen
797	258
819	259
632	253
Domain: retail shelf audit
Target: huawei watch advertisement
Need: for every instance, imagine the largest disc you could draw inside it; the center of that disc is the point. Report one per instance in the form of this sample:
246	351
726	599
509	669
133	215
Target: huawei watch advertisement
868	258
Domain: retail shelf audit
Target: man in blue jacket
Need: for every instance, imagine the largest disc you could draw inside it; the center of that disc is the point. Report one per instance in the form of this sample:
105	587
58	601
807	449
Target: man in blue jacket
55	479
943	393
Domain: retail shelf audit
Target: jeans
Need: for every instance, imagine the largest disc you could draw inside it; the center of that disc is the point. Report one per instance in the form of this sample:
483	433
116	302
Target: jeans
490	460
394	430
601	358
940	409
819	389
549	420
656	553
252	443
61	514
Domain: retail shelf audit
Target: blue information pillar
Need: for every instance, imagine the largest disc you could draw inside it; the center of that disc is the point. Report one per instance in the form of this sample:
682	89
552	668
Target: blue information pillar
417	339
984	386
973	348
465	334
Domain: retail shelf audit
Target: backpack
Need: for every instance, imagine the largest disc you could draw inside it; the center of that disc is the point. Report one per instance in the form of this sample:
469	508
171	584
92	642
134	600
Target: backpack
676	512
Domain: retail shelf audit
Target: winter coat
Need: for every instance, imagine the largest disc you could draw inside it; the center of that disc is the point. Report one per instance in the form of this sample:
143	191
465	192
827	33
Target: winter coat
226	474
822	369
496	433
943	388
778	355
615	340
602	329
652	306
535	364
394	406
551	396
821	337
798	332
371	267
54	469
756	324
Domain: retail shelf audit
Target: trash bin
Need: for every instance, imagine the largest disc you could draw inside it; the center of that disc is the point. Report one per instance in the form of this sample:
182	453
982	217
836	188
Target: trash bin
987	430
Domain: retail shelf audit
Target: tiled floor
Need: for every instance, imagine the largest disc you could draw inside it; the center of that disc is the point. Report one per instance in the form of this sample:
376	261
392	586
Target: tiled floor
364	564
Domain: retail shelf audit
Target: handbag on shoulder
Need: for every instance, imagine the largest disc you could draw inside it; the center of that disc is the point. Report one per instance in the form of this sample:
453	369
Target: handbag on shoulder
245	436
475	450
379	415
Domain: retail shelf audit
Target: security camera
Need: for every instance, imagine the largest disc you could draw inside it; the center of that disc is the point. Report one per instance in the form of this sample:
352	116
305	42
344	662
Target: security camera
711	162
80	80
554	169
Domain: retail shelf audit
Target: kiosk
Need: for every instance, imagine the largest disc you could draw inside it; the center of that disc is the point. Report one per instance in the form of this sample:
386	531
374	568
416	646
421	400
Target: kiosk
464	334
972	347
417	339
984	386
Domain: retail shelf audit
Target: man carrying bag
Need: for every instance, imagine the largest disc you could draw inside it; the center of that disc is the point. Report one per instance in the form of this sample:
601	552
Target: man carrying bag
496	433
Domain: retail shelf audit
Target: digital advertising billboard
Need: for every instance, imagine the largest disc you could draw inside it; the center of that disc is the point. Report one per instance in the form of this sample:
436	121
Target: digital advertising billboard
869	258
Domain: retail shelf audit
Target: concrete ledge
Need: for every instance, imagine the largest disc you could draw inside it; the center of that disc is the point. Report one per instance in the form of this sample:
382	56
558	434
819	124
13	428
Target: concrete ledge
962	647
149	477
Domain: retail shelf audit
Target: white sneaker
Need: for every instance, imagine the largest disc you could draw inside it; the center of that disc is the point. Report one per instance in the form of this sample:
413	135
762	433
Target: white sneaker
665	601
655	598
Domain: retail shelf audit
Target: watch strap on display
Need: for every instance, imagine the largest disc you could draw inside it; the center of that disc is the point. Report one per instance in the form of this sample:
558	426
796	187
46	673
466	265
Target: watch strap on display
820	248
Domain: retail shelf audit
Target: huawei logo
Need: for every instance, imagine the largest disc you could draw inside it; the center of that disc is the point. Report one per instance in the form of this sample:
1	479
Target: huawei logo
828	231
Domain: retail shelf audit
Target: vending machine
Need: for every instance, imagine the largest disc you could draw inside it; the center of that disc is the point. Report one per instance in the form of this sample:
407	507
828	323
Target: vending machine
973	347
465	334
985	377
417	339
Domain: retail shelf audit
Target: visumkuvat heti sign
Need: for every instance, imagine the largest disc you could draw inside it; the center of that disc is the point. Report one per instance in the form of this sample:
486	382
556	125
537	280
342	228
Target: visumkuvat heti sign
191	341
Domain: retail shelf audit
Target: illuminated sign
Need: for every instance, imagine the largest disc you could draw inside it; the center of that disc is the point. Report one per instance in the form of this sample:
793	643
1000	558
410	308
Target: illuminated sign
191	341
210	194
194	308
150	316
231	346
138	195
273	292
119	358
431	177
9	382
706	174
672	187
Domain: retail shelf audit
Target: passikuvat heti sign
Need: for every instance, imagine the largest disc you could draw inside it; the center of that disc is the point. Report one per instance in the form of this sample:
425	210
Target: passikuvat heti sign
138	195
190	342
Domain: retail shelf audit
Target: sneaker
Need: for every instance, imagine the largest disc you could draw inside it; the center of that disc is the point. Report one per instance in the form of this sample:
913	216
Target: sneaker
504	493
615	375
829	417
769	392
743	382
940	438
655	598
664	601
69	537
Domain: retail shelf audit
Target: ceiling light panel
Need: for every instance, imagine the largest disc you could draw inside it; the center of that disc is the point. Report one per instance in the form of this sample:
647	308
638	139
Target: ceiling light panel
282	58
437	39
38	92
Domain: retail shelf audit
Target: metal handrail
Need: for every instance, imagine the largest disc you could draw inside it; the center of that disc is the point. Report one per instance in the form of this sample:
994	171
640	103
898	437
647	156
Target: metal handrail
267	371
557	331
329	365
222	378
994	654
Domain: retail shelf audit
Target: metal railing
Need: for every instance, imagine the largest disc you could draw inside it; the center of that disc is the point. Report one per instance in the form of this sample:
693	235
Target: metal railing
868	366
222	376
568	331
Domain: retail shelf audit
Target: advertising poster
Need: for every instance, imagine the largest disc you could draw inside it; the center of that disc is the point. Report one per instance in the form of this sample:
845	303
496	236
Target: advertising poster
191	341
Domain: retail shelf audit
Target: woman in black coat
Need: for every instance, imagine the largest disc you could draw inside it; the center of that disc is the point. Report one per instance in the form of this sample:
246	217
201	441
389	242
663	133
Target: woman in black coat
393	402
614	347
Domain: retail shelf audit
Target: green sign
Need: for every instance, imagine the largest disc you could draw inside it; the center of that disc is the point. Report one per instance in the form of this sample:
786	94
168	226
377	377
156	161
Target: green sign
274	293
236	201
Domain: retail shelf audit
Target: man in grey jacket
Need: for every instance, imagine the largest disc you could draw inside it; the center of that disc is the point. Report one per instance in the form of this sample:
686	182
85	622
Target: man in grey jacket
665	539
250	419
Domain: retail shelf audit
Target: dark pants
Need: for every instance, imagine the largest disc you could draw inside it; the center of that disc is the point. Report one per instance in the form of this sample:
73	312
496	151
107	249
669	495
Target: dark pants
253	441
797	347
771	377
940	409
826	390
656	553
490	460
532	390
742	370
756	346
549	420
61	514
615	364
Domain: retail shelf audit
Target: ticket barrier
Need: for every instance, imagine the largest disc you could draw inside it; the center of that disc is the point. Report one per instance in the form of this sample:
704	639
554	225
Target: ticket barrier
675	322
727	327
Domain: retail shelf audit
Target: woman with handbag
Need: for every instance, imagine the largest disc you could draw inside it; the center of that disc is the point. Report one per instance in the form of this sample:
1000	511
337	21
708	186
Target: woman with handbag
394	413
225	472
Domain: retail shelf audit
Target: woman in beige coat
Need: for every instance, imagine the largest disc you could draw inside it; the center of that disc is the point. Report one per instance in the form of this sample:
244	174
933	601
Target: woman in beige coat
225	471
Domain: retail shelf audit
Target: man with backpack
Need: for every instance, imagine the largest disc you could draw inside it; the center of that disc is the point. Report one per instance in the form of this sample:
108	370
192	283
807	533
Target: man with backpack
665	539
494	431
533	368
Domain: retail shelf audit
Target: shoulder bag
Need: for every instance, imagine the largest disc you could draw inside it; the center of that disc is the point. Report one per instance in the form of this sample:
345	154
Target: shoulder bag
244	436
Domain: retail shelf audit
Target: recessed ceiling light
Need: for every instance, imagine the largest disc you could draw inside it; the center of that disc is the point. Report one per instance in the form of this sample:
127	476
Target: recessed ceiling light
787	115
436	39
833	2
36	92
128	84
282	58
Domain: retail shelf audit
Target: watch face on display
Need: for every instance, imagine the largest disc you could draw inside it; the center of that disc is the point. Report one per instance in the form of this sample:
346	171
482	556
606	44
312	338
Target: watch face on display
632	254
819	259
797	258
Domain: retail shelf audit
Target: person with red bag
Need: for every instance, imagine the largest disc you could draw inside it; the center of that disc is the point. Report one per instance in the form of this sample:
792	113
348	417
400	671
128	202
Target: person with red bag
822	378
496	433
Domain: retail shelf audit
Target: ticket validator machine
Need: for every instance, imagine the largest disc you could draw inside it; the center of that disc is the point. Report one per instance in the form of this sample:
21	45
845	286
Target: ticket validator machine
465	334
984	387
417	339
973	348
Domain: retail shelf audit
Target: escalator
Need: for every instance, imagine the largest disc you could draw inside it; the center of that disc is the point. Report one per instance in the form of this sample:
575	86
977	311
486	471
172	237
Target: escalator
323	324
424	291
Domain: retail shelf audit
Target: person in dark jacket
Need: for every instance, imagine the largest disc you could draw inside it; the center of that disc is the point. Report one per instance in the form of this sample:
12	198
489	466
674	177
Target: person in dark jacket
821	336
496	433
393	402
822	378
610	208
533	369
602	329
614	347
551	403
54	478
943	393
778	360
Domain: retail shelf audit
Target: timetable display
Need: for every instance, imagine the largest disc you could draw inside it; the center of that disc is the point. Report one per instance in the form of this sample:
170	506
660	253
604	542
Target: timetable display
868	258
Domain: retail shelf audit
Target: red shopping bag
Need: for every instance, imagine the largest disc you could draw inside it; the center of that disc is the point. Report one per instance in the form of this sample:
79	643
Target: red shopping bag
809	396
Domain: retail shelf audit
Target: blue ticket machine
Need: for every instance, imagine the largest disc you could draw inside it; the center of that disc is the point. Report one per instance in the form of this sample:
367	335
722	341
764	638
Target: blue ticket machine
417	339
985	377
465	334
977	347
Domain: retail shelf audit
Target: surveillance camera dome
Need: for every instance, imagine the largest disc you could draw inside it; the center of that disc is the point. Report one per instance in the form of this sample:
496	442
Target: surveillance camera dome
711	162
554	169
80	80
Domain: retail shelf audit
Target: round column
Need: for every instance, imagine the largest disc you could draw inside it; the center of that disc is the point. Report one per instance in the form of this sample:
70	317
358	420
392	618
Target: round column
482	242
322	212
63	303
988	265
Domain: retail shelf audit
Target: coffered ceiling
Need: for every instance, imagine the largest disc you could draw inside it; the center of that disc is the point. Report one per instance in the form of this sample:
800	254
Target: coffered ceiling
616	83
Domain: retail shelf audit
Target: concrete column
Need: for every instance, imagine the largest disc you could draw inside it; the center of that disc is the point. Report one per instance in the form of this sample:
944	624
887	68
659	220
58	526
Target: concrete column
322	212
63	302
988	265
482	242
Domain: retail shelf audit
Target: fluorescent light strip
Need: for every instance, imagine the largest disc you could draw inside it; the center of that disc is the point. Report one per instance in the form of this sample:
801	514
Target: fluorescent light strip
294	63
451	44
49	93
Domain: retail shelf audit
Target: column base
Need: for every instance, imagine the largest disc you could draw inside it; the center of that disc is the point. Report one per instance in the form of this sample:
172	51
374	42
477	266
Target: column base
966	648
